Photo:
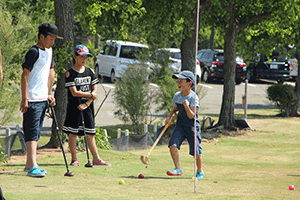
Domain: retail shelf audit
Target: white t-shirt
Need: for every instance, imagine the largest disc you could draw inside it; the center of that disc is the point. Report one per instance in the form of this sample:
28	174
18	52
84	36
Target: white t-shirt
39	62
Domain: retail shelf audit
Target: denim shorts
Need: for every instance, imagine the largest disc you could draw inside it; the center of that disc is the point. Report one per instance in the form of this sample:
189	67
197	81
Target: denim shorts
33	120
180	133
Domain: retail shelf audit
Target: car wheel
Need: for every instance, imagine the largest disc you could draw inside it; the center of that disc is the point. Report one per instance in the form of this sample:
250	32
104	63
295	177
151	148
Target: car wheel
197	79
97	72
112	76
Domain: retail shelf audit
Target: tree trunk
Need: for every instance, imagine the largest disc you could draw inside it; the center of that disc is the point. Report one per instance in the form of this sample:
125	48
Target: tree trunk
64	20
226	117
188	46
212	38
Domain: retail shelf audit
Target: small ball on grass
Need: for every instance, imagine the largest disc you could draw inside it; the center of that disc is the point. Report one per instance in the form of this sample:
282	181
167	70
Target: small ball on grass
121	182
141	176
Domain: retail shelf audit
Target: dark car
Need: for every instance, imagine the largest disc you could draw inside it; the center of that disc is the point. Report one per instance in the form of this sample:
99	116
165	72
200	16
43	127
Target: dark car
274	67
212	66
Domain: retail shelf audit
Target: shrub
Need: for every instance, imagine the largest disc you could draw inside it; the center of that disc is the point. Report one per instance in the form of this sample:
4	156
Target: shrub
100	139
132	97
283	96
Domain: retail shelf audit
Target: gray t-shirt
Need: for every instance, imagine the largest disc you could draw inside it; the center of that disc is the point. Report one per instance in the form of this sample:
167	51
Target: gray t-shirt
182	118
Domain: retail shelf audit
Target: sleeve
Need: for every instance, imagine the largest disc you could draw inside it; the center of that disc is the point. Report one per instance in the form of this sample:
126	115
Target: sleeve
94	78
174	99
70	81
30	58
192	103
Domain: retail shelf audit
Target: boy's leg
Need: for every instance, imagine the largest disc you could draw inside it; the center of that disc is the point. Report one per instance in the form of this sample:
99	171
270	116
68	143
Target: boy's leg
175	156
31	147
72	146
199	163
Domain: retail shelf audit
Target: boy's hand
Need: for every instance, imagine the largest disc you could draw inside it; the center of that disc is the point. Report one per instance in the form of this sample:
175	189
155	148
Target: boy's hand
82	106
186	103
24	106
94	95
52	100
167	121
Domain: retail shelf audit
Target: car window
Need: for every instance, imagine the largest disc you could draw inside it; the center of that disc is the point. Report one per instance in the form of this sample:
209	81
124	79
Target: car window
113	51
105	49
176	55
199	55
206	56
131	51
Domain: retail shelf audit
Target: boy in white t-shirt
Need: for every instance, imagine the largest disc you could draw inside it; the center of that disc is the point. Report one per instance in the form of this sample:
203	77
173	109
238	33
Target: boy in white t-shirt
36	85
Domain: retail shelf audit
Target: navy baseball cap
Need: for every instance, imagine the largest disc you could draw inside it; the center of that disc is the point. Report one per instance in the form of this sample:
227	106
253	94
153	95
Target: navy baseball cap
185	75
49	29
82	51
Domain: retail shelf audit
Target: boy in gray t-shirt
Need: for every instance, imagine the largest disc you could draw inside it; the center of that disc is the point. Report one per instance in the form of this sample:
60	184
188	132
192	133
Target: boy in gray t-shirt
184	106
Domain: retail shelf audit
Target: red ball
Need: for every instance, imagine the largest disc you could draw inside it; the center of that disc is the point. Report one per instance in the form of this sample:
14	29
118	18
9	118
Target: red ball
141	176
291	187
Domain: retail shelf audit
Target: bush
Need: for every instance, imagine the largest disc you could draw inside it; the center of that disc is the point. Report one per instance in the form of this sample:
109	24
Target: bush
132	97
284	97
101	142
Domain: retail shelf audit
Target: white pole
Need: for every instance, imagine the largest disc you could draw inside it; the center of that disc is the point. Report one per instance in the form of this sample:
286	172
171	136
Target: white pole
155	129
145	128
119	133
195	133
126	139
105	135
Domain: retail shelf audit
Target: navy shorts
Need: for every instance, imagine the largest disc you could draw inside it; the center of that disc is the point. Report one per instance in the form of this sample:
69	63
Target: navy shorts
33	120
182	132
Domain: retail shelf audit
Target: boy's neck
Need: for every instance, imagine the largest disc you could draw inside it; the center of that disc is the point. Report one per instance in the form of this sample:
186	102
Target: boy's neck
186	92
40	45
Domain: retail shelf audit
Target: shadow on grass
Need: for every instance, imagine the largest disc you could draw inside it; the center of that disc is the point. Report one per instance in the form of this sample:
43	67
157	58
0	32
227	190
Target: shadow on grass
295	175
19	165
155	177
249	116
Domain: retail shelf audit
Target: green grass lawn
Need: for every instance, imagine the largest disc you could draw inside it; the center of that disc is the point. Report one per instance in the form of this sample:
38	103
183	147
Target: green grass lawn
259	165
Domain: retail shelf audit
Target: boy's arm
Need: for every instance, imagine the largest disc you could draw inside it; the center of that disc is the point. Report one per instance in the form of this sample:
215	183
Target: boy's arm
190	111
174	111
24	85
50	85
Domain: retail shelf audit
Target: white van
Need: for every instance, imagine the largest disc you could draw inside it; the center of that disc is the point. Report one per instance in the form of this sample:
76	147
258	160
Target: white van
117	56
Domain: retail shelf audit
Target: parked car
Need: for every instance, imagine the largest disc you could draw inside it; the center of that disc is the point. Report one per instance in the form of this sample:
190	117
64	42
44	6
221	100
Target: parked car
175	60
212	66
117	56
273	67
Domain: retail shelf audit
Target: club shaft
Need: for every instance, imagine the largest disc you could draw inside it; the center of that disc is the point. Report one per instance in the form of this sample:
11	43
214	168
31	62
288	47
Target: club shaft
84	134
58	135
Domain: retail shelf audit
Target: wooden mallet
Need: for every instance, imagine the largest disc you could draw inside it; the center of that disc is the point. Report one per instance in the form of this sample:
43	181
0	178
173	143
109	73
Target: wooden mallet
145	158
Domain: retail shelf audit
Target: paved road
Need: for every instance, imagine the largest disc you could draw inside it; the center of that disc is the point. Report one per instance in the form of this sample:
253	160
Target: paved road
211	103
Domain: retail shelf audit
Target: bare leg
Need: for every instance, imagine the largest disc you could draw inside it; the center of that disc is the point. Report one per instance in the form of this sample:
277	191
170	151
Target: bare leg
72	146
31	147
199	163
175	156
93	147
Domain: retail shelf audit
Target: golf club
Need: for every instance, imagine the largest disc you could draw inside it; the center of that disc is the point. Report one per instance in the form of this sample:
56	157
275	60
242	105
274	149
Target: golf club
68	173
89	164
145	158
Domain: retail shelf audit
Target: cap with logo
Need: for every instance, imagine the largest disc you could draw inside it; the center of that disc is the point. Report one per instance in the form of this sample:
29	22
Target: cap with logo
49	29
185	75
82	51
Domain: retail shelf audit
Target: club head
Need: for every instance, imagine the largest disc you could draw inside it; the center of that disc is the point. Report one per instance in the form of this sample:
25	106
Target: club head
69	174
145	160
88	164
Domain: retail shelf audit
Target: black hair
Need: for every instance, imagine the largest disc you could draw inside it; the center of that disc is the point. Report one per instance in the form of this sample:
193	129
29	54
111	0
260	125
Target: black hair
45	35
188	80
74	59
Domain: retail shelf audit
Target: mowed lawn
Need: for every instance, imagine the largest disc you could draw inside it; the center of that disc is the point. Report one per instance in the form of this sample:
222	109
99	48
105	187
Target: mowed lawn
259	165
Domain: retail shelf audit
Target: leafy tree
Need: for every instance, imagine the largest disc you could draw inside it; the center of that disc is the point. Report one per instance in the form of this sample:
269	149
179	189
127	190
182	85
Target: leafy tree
233	17
18	34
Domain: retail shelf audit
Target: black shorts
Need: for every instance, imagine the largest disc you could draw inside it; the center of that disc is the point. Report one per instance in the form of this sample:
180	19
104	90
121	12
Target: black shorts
182	132
73	122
